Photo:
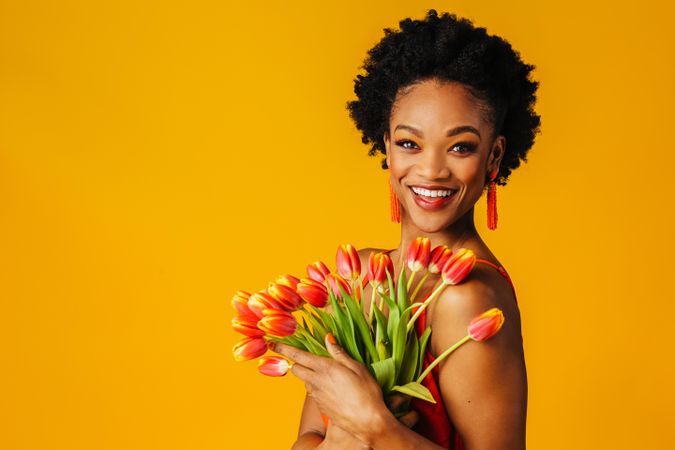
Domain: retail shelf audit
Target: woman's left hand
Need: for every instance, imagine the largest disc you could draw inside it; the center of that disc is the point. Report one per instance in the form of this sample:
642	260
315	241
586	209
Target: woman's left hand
343	388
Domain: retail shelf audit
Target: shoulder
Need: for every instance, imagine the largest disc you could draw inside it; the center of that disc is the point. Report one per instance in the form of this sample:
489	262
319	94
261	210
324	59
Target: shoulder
484	288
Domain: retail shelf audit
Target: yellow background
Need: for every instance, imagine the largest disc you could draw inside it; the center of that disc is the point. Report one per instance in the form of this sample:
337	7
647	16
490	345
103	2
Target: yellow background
155	157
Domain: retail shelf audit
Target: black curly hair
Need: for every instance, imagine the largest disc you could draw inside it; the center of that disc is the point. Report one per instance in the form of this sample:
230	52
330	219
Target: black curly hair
451	49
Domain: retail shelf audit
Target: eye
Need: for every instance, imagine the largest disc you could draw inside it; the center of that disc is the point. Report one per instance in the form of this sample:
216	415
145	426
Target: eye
404	144
463	147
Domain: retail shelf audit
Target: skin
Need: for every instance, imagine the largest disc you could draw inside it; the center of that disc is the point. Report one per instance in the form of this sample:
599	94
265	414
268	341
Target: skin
483	385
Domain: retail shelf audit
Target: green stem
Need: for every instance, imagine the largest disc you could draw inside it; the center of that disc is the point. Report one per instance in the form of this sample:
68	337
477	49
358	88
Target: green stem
372	306
441	357
424	305
412	277
419	285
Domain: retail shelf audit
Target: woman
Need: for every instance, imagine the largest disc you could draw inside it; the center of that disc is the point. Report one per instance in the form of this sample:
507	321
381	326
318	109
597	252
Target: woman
451	108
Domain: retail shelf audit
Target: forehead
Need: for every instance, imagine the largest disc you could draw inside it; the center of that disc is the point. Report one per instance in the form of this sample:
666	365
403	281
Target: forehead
437	105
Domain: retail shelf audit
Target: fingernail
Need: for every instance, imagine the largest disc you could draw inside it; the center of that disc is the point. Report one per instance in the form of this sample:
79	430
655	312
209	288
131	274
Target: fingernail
331	338
271	345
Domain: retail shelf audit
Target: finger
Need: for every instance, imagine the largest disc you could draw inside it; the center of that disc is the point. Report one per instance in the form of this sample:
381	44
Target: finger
305	358
410	419
305	374
394	401
339	354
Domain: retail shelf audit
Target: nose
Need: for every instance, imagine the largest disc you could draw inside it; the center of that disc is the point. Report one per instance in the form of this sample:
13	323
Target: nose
433	165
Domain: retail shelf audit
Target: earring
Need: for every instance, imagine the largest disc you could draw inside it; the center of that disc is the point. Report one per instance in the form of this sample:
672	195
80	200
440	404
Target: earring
492	202
394	207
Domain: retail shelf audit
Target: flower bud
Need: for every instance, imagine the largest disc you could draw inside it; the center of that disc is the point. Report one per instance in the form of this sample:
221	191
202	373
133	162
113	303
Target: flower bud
317	271
439	256
287	297
276	322
333	280
378	265
249	348
262	300
486	325
247	327
288	280
348	262
273	366
458	266
313	292
418	254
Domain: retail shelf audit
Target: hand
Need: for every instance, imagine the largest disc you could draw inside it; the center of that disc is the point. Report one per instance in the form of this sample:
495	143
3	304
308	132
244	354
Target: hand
338	439
343	389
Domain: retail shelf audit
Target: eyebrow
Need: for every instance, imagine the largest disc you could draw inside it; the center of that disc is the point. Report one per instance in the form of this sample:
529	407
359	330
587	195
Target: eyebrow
451	132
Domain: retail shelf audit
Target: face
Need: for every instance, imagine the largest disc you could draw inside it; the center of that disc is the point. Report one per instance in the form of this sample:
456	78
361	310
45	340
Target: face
440	147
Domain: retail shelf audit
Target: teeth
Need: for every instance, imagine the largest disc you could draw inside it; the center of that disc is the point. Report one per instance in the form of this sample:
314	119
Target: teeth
431	193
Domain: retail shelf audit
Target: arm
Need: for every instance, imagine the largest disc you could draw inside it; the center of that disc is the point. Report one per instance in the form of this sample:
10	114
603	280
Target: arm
483	384
312	429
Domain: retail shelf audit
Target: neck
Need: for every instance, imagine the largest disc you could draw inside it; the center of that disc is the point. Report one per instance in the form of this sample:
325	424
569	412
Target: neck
454	236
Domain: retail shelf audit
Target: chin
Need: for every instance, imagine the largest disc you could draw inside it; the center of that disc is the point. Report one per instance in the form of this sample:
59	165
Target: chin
429	224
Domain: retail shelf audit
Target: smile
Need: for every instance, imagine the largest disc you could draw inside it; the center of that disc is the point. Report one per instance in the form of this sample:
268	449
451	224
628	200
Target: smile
432	199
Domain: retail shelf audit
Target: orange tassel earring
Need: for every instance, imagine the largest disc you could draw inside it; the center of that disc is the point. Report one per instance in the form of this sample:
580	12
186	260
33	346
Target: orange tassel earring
492	202
394	205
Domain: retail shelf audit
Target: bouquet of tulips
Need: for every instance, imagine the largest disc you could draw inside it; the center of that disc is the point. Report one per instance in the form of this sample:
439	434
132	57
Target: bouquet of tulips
300	312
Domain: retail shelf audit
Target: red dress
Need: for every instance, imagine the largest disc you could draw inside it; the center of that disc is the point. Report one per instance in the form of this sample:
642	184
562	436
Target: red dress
434	423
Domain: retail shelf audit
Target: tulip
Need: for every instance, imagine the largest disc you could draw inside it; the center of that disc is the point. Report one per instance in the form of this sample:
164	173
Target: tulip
276	322
486	325
334	280
458	266
418	254
288	280
313	292
348	262
439	256
247	327
273	366
240	302
249	348
262	300
317	271
481	328
378	265
287	297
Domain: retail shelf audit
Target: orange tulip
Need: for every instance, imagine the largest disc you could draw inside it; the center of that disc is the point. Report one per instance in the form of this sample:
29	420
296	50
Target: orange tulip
249	348
333	280
348	262
288	280
287	297
276	322
262	300
313	292
486	325
378	265
317	271
240	302
418	254
458	266
439	256
273	366
247	327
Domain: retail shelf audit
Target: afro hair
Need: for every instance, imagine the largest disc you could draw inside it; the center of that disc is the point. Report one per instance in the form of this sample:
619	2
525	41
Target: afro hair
451	49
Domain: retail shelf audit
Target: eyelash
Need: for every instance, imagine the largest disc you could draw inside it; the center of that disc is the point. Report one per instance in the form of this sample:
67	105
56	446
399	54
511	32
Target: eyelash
469	147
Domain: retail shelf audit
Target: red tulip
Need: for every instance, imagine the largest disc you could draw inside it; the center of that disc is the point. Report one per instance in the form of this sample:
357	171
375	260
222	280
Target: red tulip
486	325
317	271
418	254
249	348
313	292
247	327
273	366
378	265
439	256
288	280
262	300
348	262
334	280
276	322
287	297
458	266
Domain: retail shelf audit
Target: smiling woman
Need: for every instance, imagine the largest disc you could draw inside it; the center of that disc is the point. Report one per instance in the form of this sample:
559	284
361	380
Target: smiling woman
451	109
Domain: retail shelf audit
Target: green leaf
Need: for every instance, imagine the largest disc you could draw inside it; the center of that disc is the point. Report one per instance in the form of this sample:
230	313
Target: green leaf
359	319
384	373
316	347
415	390
346	331
402	292
410	360
381	327
398	340
424	340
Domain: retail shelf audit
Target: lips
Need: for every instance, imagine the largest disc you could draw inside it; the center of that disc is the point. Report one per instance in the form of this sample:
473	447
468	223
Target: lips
432	203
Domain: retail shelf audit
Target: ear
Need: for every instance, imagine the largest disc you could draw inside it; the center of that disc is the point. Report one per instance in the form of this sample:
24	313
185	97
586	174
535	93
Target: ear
387	144
497	153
